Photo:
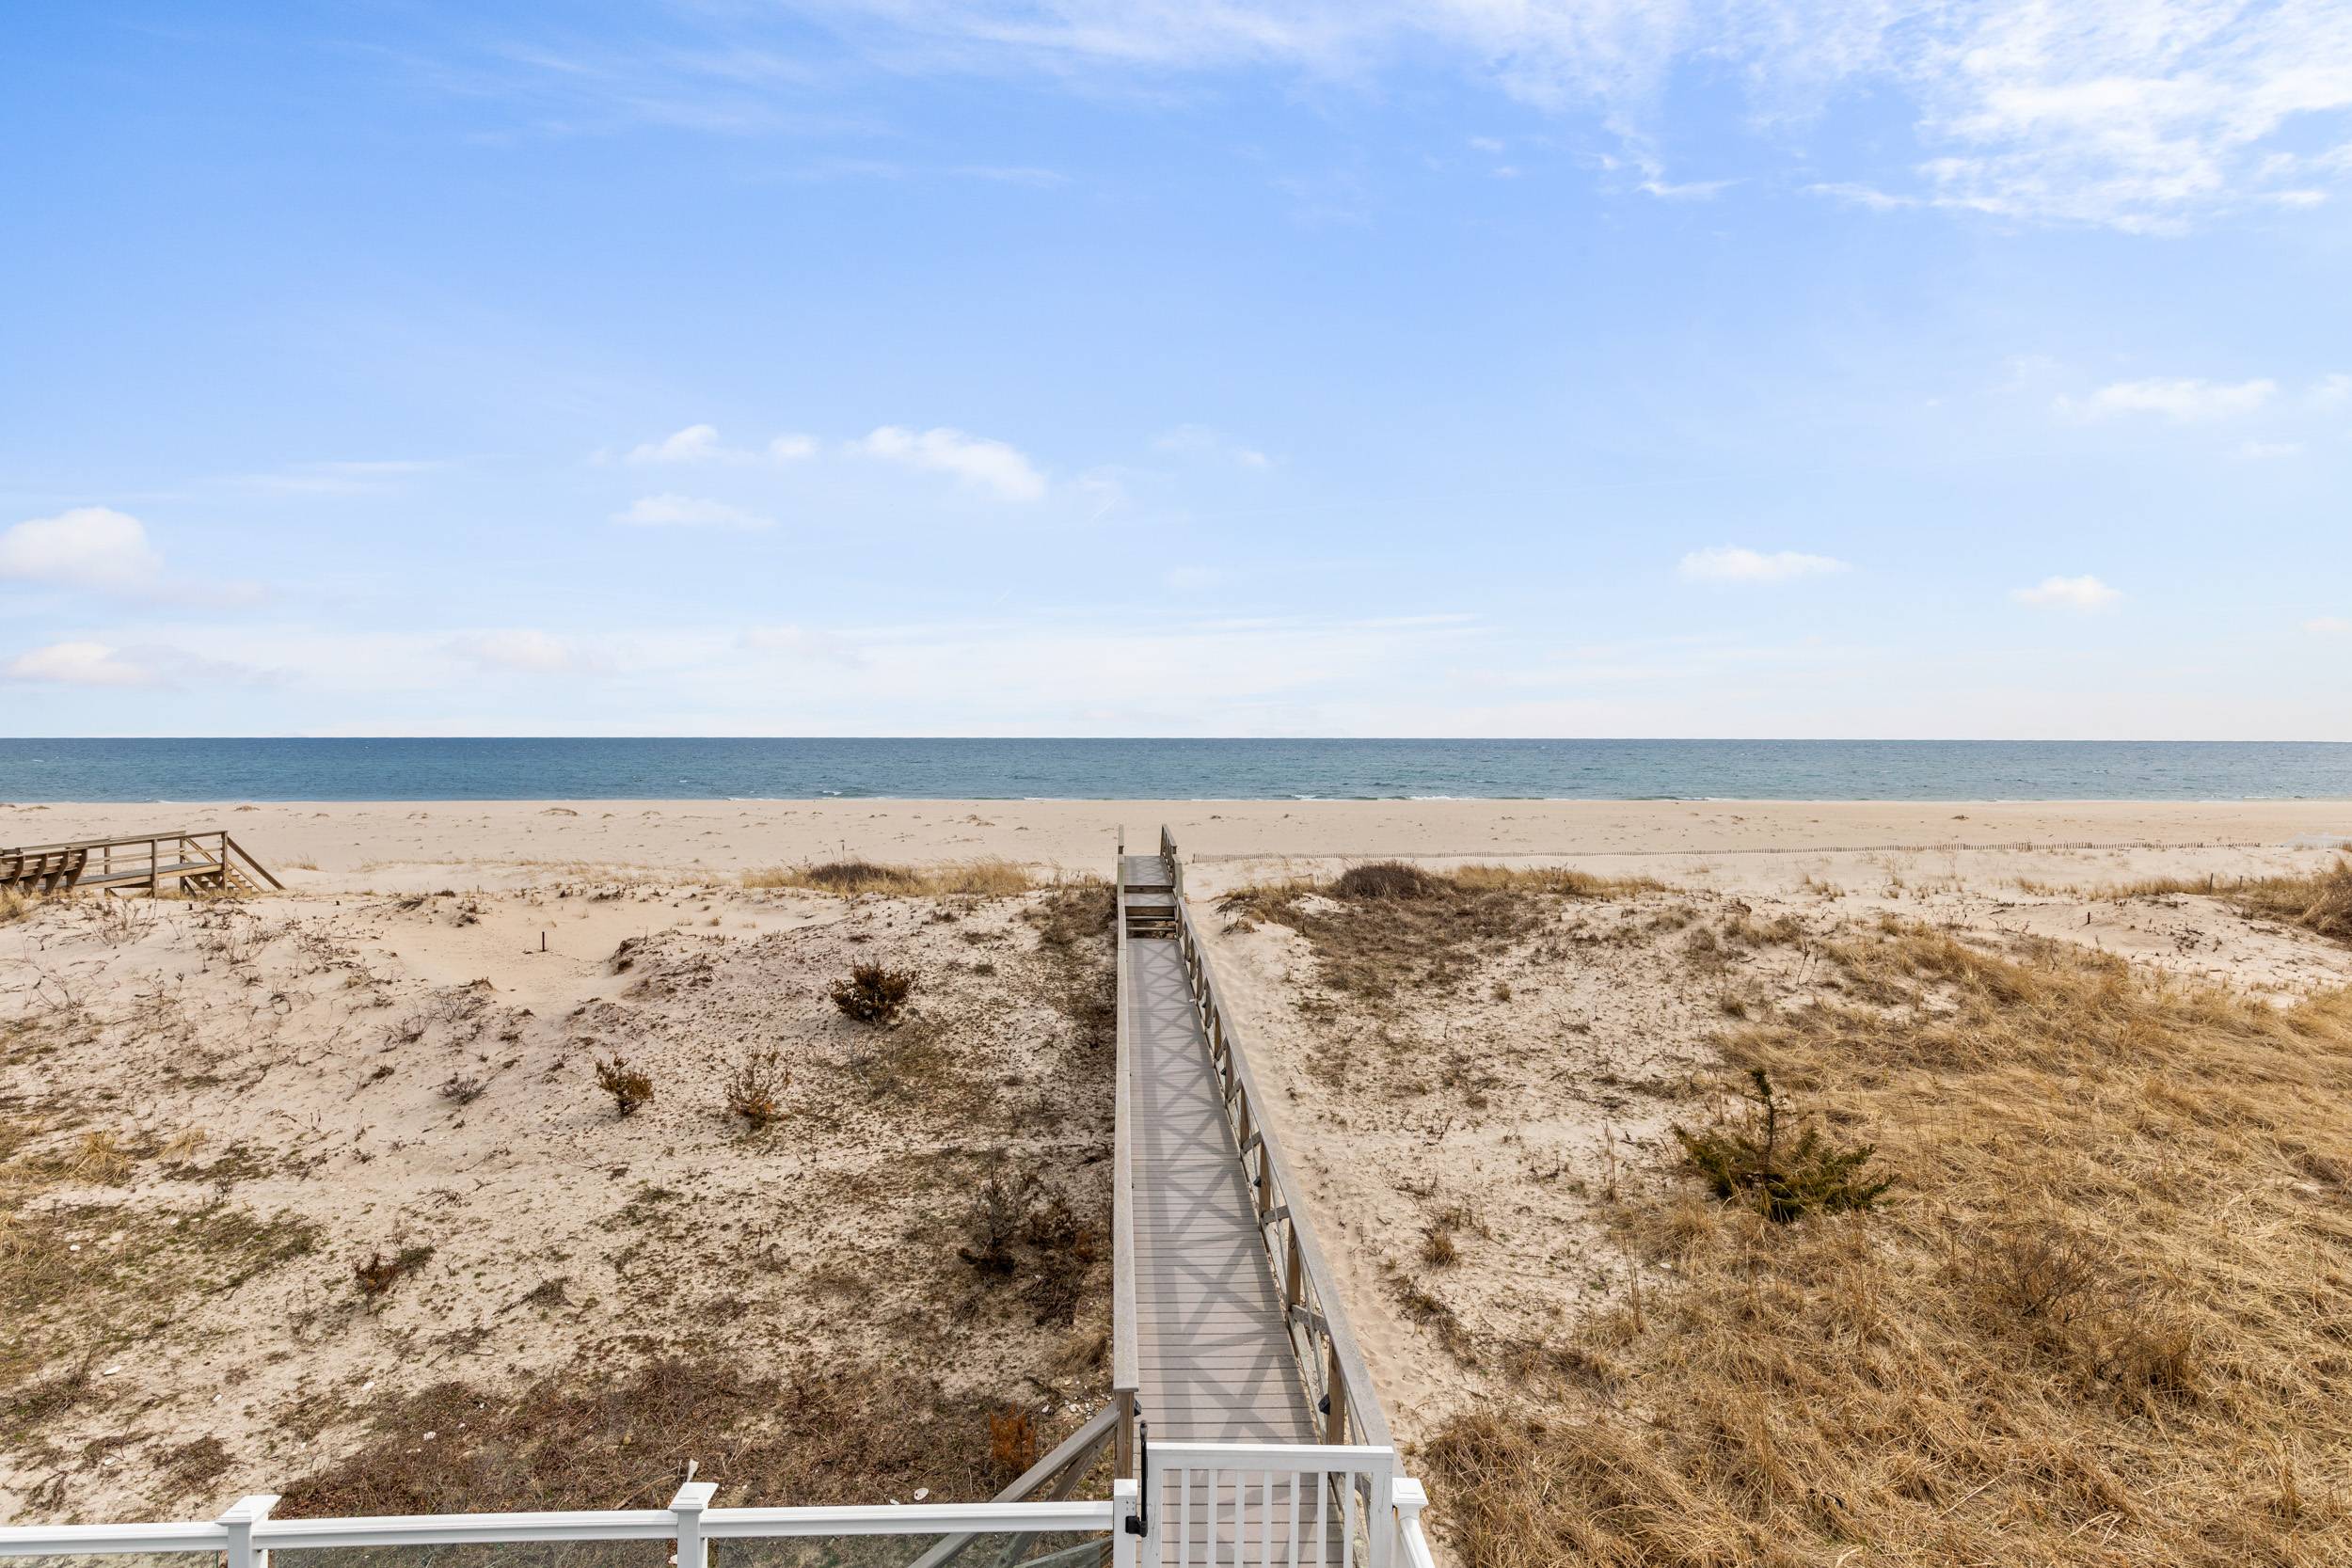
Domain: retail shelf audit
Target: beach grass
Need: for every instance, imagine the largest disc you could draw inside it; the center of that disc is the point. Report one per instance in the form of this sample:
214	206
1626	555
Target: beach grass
974	879
2097	1320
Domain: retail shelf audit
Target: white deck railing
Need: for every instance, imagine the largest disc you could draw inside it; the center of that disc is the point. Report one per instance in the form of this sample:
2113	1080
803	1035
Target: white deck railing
245	1535
1275	1505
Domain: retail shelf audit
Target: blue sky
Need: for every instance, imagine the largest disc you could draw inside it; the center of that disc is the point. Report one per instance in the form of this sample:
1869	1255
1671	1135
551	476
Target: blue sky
1721	368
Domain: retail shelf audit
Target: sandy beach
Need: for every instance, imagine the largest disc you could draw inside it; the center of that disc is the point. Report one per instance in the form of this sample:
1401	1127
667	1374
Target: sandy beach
490	842
424	1009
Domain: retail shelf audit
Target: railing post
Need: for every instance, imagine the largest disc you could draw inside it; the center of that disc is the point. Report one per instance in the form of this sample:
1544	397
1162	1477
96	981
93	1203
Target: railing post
1124	1493
247	1512
687	1509
1411	1498
1123	1458
1381	1527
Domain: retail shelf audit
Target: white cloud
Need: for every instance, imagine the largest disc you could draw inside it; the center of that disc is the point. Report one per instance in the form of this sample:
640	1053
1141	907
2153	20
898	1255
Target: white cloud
1201	441
78	664
533	653
89	546
976	460
2086	593
1861	194
699	444
2328	625
688	512
1692	190
2260	451
2134	114
2331	391
696	443
2183	399
1732	563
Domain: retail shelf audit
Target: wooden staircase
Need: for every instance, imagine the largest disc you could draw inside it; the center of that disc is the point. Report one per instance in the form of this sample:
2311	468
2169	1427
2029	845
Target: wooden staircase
1151	881
211	863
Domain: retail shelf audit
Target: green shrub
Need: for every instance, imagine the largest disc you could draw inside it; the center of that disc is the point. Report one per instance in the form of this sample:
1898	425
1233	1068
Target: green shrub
1746	1161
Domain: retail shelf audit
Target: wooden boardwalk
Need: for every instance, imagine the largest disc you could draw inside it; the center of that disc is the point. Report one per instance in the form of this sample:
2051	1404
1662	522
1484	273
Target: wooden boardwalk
208	861
1214	1361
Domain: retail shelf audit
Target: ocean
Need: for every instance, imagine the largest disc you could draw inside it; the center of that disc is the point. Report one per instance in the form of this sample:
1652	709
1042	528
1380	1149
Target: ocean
719	768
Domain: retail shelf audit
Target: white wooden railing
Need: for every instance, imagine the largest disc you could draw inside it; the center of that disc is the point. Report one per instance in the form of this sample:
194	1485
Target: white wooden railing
245	1535
1272	1505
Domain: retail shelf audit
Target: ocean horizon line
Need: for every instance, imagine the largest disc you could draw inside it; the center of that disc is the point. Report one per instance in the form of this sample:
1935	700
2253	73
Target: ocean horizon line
161	770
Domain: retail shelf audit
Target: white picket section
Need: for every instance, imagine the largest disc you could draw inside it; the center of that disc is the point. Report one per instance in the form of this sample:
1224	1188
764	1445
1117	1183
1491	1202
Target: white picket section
1271	1505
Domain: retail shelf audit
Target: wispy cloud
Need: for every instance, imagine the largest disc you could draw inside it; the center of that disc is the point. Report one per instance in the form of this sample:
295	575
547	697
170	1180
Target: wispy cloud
1689	190
669	511
2184	400
1194	440
522	650
805	642
92	661
79	664
89	547
2085	594
996	466
2139	114
696	443
2328	625
1733	563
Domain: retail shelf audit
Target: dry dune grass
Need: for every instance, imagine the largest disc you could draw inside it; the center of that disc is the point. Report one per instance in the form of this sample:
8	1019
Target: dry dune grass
2321	902
622	1436
978	879
2100	1321
1386	927
13	905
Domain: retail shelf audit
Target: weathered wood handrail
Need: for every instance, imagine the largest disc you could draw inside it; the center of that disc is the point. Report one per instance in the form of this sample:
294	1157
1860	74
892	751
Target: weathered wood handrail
1329	1358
